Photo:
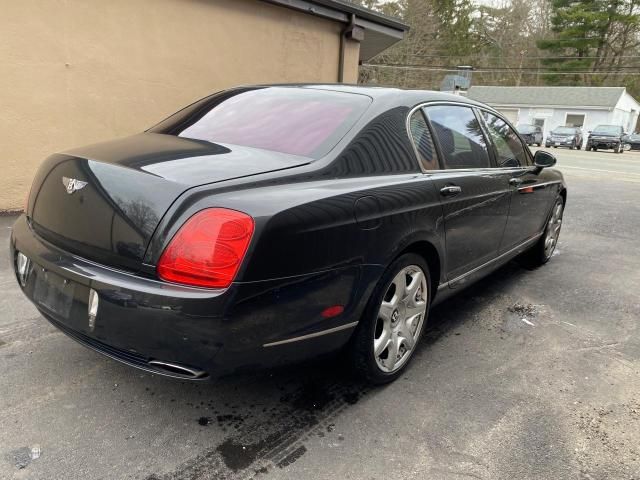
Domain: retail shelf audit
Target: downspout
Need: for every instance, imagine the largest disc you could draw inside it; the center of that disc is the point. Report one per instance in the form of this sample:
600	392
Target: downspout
343	45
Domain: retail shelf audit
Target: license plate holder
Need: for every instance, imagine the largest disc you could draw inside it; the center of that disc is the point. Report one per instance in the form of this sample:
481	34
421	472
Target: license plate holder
53	293
557	144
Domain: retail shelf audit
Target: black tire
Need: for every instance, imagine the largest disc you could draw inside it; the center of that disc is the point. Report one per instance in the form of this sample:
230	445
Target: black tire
361	351
572	146
538	255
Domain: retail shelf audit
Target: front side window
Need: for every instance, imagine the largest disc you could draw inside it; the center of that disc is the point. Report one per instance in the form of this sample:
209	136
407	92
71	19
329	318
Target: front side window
423	141
509	148
460	136
298	121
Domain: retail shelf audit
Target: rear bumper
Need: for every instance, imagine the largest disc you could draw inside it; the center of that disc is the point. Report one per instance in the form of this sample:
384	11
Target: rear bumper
214	332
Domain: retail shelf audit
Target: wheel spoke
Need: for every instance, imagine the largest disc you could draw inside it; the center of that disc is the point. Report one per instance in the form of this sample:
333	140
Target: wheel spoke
401	285
392	352
556	231
412	288
406	335
558	210
387	308
381	344
549	228
416	309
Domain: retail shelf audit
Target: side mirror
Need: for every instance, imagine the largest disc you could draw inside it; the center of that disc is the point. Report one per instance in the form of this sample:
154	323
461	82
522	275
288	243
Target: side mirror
543	159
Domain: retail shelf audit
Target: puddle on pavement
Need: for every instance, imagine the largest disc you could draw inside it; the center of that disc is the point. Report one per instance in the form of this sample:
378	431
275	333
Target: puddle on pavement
263	437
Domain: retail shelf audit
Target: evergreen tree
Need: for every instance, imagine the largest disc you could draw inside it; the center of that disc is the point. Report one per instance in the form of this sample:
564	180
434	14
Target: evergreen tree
590	36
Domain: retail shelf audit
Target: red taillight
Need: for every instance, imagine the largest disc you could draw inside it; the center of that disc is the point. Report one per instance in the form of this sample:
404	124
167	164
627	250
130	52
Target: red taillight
208	249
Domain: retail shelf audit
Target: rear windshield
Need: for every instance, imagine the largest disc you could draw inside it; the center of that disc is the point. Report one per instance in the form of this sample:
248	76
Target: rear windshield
526	128
297	121
565	130
608	129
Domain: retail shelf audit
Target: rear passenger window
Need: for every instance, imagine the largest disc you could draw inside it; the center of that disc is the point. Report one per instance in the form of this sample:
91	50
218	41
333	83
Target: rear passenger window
460	136
509	148
423	141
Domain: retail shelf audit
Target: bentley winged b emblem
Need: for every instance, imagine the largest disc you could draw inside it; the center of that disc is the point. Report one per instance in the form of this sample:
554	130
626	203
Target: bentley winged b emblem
73	184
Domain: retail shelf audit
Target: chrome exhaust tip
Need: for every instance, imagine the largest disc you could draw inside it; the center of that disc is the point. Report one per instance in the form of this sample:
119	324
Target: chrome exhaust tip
175	370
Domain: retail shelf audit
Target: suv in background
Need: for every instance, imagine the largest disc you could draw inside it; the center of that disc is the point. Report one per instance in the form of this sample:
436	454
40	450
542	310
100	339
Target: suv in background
564	137
608	137
531	134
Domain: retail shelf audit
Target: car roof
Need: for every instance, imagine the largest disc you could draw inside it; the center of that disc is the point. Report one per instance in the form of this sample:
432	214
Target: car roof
401	96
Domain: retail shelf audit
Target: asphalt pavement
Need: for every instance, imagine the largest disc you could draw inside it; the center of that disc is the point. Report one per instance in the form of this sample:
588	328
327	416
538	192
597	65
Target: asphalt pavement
529	374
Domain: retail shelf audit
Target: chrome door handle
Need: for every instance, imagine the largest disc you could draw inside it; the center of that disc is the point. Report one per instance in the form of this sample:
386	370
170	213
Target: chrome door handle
450	190
515	182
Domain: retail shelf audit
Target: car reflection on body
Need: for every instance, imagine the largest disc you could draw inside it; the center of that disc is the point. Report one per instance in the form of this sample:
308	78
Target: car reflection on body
270	224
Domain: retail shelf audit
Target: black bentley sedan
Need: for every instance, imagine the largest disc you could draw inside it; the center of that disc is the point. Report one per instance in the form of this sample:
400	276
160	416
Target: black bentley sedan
269	224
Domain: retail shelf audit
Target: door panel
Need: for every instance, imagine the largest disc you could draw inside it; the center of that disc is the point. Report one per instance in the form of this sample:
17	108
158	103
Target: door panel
530	204
474	219
529	200
475	196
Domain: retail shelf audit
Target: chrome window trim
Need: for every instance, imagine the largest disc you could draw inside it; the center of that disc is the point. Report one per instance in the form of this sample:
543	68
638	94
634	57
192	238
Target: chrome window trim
523	144
472	106
413	143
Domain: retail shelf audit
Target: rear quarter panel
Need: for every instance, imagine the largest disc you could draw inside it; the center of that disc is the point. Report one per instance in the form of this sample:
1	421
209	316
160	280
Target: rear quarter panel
310	227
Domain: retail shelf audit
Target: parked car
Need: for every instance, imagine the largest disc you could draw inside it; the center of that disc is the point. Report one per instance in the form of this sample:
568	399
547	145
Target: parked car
609	137
269	224
565	137
532	134
634	141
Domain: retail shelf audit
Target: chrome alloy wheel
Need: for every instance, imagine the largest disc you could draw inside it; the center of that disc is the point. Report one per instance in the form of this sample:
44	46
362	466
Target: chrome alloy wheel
400	319
553	229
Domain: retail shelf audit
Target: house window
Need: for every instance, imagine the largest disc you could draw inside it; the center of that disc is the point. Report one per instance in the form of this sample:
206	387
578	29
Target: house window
539	122
574	120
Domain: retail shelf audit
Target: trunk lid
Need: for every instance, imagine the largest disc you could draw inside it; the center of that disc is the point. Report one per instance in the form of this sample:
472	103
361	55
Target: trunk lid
104	201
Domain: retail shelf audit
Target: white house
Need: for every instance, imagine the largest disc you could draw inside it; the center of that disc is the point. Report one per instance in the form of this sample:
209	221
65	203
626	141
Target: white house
551	107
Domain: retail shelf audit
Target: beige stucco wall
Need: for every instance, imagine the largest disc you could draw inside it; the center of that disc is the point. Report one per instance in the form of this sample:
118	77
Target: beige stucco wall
74	72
